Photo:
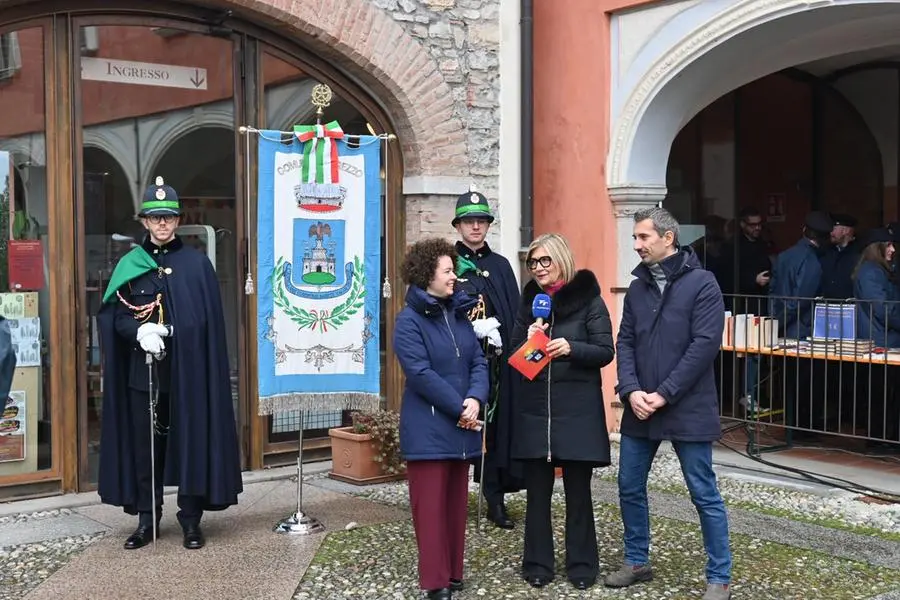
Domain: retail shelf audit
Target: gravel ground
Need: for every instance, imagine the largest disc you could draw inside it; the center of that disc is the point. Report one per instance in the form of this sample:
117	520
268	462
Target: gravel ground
23	567
346	568
837	509
34	516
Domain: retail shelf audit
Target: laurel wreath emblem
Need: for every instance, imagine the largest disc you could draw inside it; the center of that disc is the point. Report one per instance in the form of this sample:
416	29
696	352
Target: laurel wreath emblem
320	319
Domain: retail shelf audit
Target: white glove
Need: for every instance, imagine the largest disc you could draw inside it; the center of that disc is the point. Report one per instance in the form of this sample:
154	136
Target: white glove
152	343
494	337
488	328
151	328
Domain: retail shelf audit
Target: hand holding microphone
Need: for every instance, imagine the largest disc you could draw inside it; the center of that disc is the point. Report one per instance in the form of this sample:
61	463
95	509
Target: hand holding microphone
540	310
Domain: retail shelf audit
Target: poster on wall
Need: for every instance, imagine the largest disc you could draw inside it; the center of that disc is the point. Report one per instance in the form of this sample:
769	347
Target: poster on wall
12	306
12	428
775	207
25	335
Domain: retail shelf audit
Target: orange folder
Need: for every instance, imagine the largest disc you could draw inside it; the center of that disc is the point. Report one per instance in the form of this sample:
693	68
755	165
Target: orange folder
532	356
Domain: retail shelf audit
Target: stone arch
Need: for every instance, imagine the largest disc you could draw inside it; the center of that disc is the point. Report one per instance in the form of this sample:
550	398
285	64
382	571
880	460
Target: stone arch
711	61
375	50
383	55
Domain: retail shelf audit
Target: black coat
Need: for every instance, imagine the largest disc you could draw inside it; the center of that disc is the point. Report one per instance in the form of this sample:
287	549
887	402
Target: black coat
202	452
838	265
752	259
560	414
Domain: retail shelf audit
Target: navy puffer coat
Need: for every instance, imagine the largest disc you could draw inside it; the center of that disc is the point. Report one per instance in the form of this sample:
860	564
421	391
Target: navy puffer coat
668	344
443	364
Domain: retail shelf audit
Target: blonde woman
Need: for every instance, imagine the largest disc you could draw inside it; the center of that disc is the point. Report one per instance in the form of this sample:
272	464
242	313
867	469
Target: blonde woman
561	420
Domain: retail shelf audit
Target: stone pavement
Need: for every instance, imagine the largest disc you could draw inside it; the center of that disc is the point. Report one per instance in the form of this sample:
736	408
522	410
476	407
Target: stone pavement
243	558
74	549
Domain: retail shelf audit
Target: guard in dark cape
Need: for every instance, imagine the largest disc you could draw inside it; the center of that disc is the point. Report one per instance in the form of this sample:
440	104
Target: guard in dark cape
488	276
163	299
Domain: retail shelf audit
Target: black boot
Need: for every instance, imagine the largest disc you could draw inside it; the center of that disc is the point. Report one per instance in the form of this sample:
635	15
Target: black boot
496	513
189	515
143	535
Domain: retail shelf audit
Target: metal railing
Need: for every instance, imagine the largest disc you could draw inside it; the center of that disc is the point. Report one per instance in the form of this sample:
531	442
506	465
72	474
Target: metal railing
792	368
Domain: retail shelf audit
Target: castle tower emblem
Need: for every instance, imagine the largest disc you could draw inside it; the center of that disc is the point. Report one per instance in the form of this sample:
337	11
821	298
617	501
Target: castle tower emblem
318	262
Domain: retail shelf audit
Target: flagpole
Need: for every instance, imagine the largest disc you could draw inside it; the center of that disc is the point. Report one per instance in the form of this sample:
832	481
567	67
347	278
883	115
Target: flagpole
246	129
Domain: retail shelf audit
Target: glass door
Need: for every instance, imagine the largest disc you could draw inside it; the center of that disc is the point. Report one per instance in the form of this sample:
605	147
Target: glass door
153	100
29	293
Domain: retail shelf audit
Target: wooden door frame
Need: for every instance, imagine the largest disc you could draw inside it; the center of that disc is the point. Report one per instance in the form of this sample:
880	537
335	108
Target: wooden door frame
59	339
63	139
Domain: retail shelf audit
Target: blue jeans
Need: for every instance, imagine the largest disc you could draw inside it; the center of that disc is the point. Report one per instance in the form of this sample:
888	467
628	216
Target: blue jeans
635	459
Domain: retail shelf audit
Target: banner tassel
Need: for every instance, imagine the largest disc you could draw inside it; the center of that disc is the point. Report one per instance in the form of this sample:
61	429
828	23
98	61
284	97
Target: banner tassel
248	284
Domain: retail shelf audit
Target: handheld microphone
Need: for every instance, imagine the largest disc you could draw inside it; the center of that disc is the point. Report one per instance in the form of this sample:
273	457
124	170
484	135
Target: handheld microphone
540	308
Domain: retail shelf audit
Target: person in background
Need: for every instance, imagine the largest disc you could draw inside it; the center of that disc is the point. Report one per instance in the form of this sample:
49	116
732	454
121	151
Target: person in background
840	258
839	262
446	383
561	419
797	278
745	268
878	319
672	323
488	277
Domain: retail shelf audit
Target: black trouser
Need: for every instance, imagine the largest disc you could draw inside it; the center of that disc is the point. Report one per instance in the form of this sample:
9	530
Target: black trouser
491	485
581	537
191	507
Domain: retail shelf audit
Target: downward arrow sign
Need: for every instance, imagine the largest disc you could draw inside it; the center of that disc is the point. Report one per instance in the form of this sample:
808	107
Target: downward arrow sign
197	79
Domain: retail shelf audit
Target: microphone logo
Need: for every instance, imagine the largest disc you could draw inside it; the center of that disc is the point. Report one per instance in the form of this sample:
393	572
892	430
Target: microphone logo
540	306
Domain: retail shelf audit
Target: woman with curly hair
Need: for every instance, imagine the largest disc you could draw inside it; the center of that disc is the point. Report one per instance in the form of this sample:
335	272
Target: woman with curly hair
446	382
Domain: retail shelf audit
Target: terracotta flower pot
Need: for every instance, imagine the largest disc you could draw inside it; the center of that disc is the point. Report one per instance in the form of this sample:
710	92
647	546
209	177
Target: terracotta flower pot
352	458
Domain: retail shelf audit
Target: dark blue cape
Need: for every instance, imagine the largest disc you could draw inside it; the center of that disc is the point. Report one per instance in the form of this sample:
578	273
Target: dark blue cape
501	293
202	454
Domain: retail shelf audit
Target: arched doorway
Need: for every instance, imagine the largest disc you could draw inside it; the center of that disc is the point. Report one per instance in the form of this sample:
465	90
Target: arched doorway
102	120
784	145
760	105
699	55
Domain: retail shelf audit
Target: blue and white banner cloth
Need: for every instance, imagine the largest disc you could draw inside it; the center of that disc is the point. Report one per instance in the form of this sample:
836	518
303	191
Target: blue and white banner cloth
319	263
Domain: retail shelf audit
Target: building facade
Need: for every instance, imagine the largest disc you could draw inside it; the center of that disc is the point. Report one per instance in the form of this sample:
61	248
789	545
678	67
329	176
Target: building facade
708	107
97	99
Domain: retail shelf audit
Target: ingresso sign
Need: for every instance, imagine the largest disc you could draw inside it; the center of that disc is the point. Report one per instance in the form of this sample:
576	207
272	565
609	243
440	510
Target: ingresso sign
139	73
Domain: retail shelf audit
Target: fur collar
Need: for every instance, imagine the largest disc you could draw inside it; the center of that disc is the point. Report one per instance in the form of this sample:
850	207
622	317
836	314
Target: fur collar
571	297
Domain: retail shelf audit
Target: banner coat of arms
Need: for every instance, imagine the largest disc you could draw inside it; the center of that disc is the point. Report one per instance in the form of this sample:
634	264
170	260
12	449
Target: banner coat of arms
319	261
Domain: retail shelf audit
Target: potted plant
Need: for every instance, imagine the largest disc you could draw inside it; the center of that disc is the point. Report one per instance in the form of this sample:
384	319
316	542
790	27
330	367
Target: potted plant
368	451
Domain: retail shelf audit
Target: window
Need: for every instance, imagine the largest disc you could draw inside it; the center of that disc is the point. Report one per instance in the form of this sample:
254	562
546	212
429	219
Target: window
90	41
10	57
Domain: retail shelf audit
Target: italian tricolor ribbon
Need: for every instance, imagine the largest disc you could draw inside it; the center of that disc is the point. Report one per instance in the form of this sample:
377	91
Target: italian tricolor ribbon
326	166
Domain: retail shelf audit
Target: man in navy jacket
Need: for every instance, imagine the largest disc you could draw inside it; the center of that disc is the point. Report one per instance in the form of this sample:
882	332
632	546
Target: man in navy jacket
670	335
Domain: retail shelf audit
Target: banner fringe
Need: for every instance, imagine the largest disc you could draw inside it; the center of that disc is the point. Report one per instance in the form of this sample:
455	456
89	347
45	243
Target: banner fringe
319	402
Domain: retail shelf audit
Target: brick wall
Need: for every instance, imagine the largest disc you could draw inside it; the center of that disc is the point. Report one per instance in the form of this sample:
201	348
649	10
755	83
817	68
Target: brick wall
433	63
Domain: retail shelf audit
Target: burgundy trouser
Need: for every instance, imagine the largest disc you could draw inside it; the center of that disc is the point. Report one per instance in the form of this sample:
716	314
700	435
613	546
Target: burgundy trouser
438	496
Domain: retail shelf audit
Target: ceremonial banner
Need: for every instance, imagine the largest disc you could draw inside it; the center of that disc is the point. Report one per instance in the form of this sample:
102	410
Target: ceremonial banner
319	263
